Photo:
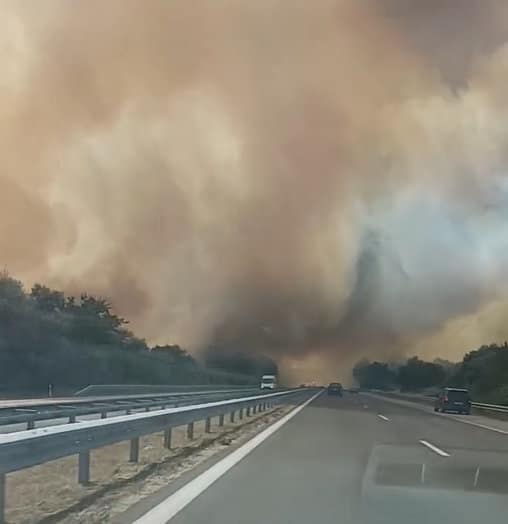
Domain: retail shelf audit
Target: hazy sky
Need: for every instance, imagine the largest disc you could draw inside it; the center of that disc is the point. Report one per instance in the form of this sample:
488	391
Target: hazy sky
318	181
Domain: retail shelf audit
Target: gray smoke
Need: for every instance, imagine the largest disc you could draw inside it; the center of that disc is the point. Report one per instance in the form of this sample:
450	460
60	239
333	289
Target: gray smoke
316	182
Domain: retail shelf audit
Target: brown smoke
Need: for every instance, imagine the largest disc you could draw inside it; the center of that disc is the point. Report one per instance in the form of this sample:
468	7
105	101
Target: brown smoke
291	177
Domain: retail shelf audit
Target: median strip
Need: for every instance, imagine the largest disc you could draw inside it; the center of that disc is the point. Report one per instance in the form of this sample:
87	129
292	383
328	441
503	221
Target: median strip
25	449
170	507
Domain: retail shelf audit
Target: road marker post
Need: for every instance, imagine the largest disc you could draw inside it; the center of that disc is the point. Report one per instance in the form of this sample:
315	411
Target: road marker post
2	498
84	468
167	438
134	450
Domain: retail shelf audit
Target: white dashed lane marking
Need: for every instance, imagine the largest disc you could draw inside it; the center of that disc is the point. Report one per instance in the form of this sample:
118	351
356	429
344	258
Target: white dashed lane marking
433	448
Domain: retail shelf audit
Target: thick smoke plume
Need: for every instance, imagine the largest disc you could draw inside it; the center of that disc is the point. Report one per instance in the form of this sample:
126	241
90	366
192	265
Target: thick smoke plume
316	181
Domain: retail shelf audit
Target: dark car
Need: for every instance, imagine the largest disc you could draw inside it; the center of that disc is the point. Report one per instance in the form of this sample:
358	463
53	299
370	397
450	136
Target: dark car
453	399
335	388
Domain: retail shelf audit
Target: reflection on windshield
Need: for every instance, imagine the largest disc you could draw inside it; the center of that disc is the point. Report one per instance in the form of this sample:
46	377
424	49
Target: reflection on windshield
406	484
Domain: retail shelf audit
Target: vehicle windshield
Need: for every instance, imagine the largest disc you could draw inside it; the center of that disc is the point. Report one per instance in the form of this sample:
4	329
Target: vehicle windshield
213	210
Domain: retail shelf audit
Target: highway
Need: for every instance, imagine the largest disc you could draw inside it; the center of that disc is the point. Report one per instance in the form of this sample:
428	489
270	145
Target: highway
358	459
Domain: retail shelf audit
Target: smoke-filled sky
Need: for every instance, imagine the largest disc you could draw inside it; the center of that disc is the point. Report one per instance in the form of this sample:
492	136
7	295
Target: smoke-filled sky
317	181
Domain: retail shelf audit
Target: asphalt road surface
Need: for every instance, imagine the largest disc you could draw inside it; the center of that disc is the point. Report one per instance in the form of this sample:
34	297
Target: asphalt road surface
364	460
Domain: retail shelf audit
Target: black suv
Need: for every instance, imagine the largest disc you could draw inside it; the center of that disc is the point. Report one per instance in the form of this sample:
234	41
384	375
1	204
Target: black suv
335	388
453	399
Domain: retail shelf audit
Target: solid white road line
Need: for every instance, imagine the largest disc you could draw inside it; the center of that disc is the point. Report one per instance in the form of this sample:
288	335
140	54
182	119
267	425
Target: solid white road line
478	425
435	449
167	509
382	417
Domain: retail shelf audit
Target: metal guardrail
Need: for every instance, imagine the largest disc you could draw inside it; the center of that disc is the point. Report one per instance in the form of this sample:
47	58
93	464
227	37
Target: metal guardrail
29	411
490	407
97	390
495	408
29	448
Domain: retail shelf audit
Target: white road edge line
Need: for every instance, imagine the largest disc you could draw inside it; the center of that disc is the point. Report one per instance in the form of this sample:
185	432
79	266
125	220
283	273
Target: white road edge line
433	448
478	425
382	417
170	507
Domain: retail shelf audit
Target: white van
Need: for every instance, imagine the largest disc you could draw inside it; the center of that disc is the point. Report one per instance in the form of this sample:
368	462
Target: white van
268	382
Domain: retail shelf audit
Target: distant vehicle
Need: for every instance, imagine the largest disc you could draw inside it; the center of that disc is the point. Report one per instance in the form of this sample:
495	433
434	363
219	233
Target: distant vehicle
268	382
335	388
453	399
354	390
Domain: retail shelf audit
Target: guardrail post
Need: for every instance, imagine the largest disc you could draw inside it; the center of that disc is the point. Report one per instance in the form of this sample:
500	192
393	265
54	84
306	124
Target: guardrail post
247	411
240	414
254	409
104	414
134	450
84	467
167	438
72	419
232	416
208	425
190	430
2	498
221	420
30	425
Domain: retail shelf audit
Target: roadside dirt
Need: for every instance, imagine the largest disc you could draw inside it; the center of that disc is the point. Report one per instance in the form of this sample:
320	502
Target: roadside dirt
50	493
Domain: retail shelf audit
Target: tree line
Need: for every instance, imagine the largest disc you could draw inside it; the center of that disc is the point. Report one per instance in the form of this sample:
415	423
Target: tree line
47	337
483	371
